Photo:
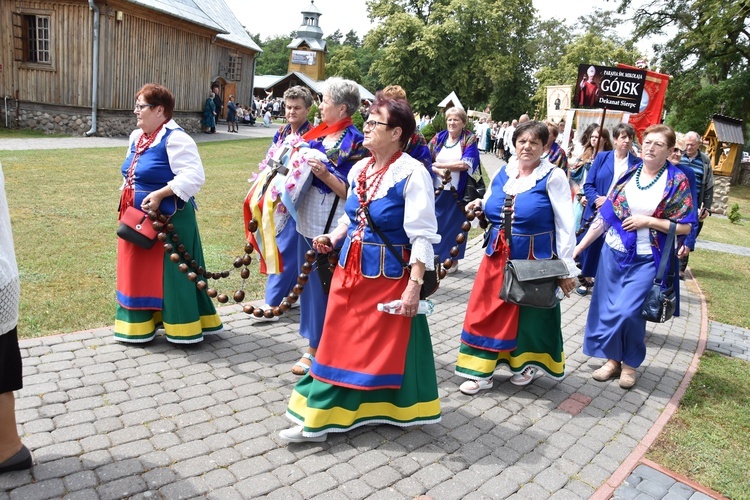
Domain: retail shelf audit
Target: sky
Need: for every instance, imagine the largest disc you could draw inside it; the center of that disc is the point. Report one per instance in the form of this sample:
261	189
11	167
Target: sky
344	15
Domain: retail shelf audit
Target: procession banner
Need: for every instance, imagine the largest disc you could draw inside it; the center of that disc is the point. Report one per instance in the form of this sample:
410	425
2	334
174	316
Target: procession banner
652	103
609	87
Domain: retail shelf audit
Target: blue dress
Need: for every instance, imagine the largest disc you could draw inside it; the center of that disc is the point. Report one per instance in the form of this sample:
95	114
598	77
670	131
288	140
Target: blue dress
449	207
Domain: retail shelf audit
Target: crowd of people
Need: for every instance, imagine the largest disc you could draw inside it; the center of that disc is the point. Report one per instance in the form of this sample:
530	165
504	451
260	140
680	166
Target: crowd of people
388	203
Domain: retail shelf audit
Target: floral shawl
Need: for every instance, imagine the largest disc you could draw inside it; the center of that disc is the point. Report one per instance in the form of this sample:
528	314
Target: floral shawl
677	205
469	153
343	158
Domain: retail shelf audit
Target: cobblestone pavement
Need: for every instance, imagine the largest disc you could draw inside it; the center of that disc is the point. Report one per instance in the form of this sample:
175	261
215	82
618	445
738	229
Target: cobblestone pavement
106	420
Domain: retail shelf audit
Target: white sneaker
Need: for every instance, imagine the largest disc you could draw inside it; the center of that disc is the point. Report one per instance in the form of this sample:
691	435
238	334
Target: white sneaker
453	269
294	435
527	376
472	387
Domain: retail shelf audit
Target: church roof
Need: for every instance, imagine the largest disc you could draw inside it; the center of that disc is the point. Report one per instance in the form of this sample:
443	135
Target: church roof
266	82
212	14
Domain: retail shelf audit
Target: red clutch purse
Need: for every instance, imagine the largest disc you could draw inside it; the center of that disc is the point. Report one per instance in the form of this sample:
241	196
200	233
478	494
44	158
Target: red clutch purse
136	228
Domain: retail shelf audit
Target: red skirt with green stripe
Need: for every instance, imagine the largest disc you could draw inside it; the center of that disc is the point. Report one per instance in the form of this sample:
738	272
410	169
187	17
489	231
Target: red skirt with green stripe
496	332
321	407
152	292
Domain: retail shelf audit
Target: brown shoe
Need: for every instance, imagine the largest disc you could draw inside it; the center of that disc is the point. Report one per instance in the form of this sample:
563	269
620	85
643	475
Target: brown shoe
627	377
606	372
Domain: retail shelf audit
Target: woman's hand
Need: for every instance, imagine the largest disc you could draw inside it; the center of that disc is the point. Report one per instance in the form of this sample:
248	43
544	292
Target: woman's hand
152	201
636	222
566	284
410	300
474	205
323	243
599	201
318	168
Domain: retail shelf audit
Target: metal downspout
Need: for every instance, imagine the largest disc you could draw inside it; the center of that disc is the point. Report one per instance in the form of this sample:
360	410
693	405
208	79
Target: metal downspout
95	71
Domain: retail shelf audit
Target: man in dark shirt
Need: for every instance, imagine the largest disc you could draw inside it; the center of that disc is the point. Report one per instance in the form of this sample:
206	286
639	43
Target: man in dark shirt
218	101
704	181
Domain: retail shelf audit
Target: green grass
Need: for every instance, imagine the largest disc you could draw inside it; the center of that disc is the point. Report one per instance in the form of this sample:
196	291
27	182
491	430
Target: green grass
707	439
63	206
725	281
11	133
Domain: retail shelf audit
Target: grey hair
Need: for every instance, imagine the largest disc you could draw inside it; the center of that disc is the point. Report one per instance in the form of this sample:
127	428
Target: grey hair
343	92
694	135
299	92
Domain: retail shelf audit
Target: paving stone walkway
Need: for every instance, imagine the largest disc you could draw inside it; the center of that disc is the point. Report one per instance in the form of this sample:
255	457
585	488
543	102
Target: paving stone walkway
107	421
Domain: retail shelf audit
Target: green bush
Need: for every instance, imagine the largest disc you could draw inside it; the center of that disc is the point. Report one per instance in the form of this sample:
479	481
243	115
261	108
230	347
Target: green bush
438	122
428	131
312	113
734	215
358	120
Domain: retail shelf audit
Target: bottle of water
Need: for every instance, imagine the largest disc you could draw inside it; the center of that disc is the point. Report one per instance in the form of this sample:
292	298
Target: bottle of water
425	307
559	294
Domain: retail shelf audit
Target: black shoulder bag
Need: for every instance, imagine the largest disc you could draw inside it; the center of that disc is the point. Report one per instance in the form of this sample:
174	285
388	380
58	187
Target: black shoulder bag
528	282
660	305
431	278
325	263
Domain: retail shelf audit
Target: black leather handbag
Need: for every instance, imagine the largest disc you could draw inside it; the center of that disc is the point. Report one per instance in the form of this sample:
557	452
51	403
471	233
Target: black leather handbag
528	282
475	187
660	304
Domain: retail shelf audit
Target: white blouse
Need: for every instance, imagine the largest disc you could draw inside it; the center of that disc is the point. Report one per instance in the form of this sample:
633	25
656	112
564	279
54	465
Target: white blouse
420	223
558	190
10	284
184	160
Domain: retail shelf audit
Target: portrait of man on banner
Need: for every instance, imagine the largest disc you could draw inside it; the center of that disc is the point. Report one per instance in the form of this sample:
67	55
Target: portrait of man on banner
588	88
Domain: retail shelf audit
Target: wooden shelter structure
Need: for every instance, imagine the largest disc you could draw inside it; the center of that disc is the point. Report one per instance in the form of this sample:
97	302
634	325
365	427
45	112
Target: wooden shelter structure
725	139
73	65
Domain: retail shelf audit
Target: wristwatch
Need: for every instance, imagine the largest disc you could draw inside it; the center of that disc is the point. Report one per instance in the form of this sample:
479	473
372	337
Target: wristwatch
418	281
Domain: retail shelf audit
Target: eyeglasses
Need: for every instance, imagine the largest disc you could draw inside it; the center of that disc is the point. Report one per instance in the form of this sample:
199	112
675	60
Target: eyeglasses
677	150
139	107
373	124
655	145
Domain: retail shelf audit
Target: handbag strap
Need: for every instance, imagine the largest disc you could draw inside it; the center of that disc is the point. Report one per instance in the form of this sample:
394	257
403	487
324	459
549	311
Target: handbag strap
330	216
665	253
385	239
507	212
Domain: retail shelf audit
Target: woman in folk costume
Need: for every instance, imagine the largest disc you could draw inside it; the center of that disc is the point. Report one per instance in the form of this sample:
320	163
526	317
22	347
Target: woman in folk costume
454	151
416	146
606	170
342	143
209	114
372	367
636	218
528	340
297	103
163	172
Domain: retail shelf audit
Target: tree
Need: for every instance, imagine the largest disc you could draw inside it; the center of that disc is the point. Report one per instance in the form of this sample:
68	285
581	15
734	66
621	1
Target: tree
431	47
334	38
274	60
707	54
352	40
343	63
596	43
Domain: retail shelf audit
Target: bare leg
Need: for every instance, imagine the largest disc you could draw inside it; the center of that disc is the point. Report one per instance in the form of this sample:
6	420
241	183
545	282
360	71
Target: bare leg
10	443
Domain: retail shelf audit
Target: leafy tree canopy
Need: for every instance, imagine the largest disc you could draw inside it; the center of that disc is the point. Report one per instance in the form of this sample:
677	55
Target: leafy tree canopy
432	47
707	54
